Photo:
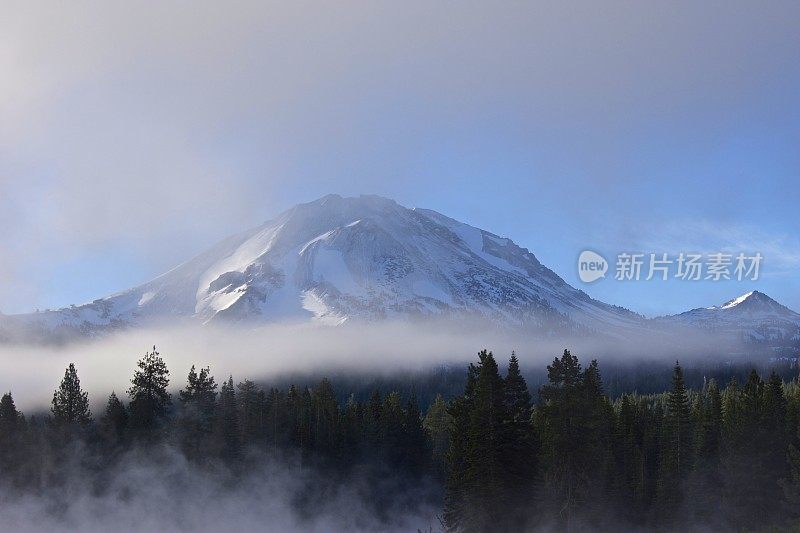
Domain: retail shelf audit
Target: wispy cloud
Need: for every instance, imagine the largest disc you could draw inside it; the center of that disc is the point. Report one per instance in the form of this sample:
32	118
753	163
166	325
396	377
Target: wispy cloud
781	251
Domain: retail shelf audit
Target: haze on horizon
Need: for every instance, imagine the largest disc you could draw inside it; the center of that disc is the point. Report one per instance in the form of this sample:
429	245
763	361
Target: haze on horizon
131	140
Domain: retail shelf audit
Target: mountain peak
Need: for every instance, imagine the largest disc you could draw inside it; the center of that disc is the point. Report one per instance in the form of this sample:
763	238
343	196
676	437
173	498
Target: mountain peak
739	300
334	198
753	316
341	258
752	301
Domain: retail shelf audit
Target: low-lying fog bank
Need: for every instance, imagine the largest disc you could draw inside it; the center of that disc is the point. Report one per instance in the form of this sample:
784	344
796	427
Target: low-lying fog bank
159	490
275	352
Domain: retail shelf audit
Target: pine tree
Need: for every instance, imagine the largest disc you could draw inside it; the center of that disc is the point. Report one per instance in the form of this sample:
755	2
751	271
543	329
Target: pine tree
306	423
703	501
70	404
790	483
391	430
277	417
731	412
771	451
293	414
774	413
150	401
750	485
708	446
517	401
198	405
598	429
372	422
680	422
9	416
114	420
565	443
249	410
13	454
200	394
486	473
650	418
629	483
438	423
456	499
415	440
752	401
519	448
677	443
352	431
325	419
227	430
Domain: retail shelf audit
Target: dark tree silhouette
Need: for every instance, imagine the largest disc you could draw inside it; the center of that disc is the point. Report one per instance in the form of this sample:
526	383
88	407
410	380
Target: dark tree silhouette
70	406
150	401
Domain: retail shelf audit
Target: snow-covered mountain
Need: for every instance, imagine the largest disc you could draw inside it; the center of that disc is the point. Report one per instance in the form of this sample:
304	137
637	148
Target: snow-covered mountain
753	316
344	259
339	260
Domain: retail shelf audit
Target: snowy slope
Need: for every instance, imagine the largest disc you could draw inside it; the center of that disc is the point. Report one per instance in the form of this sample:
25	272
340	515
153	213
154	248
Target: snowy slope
752	316
338	259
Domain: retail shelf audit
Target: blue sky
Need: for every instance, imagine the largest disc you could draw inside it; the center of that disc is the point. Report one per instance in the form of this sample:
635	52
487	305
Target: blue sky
131	140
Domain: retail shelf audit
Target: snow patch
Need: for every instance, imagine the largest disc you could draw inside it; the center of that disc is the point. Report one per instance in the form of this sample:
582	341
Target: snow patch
316	239
329	266
322	313
737	301
241	258
221	300
146	297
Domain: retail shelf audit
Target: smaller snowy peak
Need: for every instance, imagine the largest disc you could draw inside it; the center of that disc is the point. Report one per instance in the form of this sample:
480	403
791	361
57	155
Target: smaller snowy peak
753	316
750	304
755	302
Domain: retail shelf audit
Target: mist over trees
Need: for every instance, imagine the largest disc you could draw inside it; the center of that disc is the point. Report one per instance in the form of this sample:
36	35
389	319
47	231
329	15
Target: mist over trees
493	457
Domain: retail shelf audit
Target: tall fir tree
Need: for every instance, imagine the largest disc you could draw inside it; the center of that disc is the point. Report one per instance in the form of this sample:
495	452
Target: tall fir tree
325	420
391	429
598	424
566	444
9	416
749	486
415	440
198	405
770	452
352	431
457	494
114	421
629	456
438	423
372	421
676	449
14	454
70	406
226	430
250	409
485	448
519	446
150	401
306	426
702	495
707	445
790	482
